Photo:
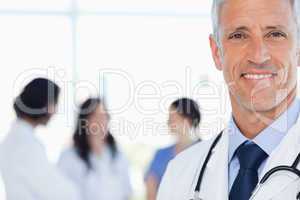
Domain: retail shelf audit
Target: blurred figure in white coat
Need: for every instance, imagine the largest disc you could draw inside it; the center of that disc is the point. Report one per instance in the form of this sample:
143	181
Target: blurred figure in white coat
26	172
94	162
184	119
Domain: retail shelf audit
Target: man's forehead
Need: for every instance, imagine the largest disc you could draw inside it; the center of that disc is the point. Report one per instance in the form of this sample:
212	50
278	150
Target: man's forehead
244	25
240	13
248	7
236	27
256	3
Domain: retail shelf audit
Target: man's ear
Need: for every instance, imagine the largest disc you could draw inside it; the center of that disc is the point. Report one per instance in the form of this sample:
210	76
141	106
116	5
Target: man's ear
215	52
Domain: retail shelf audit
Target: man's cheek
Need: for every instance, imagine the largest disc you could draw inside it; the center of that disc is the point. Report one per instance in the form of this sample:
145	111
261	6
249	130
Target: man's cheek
229	78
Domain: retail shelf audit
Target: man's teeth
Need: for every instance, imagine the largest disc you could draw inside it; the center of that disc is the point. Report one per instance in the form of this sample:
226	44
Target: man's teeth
257	76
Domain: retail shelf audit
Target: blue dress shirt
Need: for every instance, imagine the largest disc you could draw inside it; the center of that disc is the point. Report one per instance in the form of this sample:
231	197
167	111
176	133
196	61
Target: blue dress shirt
268	139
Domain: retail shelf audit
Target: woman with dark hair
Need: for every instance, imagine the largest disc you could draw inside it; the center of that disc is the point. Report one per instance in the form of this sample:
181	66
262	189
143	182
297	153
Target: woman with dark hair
94	162
184	117
26	171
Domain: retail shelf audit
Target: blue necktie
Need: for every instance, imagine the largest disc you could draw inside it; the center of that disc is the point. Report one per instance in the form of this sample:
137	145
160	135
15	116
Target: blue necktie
250	157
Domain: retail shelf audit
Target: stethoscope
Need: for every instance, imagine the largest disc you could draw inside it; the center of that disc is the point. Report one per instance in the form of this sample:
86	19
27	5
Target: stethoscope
293	169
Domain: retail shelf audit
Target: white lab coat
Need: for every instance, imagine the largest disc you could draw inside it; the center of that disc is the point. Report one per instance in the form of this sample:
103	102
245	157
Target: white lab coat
108	179
182	174
26	172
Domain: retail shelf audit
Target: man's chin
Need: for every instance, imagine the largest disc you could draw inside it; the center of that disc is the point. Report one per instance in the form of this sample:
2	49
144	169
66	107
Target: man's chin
261	105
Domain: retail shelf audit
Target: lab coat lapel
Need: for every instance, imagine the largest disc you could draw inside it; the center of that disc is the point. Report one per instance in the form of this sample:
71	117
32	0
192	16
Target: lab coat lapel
215	181
284	154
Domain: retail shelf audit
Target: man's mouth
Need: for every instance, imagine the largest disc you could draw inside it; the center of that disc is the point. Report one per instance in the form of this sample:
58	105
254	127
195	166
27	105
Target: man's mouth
251	76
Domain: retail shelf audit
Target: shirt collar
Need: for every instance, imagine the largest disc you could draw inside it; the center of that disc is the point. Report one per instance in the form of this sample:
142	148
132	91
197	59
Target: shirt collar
270	137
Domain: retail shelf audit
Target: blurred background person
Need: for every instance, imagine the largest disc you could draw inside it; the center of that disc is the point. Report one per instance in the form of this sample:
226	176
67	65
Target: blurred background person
184	118
26	172
94	162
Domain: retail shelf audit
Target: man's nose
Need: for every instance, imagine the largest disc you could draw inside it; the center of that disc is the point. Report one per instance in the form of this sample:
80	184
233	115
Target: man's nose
258	52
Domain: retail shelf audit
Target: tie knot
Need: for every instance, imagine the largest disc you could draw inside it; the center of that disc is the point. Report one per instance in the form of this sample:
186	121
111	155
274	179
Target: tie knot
250	156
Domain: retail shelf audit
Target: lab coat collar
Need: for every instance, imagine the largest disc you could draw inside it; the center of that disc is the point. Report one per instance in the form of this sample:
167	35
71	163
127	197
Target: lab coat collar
216	174
22	124
284	154
22	129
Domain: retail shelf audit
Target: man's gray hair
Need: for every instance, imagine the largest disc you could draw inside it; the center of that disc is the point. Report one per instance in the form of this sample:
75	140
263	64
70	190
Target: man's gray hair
216	8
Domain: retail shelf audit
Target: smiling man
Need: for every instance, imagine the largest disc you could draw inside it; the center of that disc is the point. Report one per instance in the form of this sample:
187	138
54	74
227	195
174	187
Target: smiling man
257	47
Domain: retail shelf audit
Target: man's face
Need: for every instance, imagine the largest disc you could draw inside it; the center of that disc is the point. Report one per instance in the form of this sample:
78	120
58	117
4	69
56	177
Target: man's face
258	51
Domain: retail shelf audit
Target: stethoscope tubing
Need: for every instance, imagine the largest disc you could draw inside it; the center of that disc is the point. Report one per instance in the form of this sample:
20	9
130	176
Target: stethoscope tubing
202	171
293	168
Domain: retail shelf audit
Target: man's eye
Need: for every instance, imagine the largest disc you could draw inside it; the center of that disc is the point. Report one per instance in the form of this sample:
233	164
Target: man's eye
237	36
276	34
